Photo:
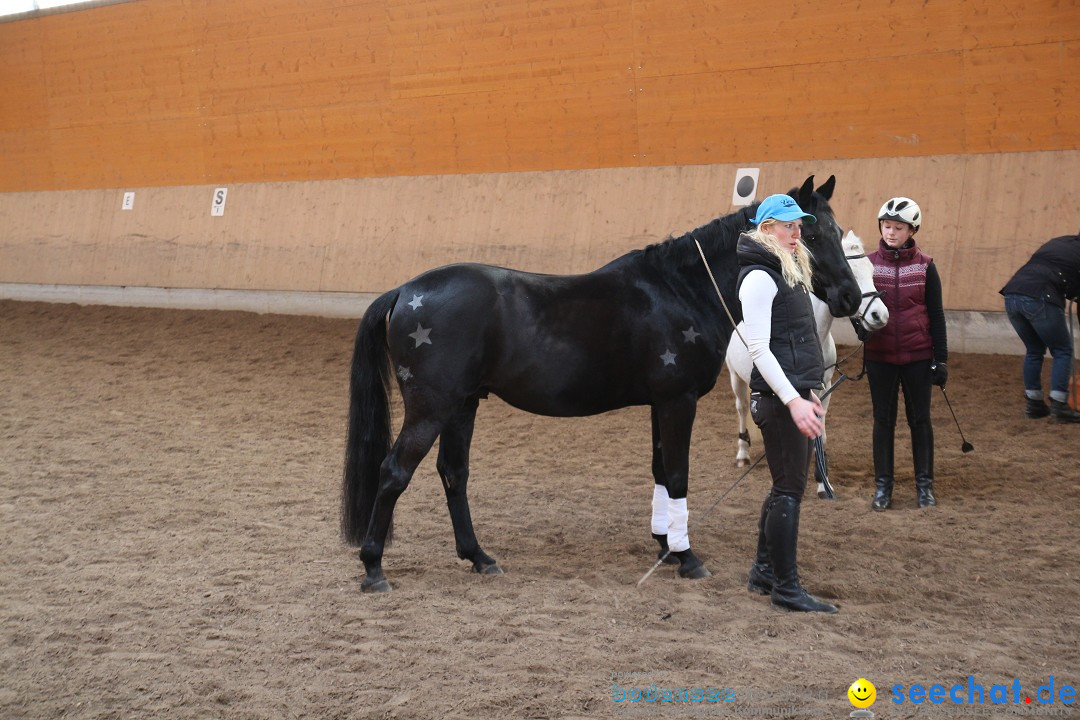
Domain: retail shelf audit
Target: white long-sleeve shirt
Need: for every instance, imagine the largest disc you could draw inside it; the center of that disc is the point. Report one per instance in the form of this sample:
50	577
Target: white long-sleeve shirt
756	295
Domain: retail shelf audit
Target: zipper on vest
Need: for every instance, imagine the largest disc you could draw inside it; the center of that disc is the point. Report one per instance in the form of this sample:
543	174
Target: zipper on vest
896	287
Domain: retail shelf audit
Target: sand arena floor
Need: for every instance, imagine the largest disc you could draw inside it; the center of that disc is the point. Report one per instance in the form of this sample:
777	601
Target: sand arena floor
169	545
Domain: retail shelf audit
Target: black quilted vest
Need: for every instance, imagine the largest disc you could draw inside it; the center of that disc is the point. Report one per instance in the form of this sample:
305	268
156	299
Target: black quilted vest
794	339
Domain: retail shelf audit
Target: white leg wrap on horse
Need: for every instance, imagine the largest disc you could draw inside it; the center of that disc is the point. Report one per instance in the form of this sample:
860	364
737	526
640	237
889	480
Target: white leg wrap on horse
677	537
659	510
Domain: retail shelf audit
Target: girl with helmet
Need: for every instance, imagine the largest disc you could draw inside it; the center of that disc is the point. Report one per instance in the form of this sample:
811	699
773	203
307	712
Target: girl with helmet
773	286
910	352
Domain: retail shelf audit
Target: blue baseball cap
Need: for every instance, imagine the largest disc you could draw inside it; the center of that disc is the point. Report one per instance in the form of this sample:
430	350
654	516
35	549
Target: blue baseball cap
780	207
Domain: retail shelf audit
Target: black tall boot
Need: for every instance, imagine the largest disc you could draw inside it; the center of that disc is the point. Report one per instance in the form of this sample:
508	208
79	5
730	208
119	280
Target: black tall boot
762	578
883	467
1036	408
922	451
1062	412
782	536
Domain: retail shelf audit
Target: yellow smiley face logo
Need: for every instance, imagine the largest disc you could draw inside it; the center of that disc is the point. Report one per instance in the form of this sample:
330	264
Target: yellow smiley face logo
862	693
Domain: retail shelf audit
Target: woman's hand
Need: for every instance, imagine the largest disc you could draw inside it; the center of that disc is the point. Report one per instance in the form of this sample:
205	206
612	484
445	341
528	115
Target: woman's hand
808	415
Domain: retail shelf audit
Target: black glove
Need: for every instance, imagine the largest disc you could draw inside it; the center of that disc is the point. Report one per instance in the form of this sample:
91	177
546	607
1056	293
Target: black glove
940	374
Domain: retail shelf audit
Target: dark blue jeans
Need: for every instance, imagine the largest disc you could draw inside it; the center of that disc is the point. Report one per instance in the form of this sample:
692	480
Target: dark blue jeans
1041	326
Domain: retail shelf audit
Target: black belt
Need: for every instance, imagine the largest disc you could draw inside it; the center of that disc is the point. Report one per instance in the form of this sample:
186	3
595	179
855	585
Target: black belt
804	394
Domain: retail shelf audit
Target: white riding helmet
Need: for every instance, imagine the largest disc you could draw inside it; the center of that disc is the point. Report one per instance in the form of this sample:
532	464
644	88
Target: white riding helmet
902	209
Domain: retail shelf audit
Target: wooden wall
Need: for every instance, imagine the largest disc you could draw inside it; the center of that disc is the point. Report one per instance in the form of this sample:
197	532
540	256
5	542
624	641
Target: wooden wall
984	215
366	140
182	92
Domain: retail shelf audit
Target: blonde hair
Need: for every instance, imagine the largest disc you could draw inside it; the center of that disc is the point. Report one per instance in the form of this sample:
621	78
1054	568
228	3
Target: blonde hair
795	266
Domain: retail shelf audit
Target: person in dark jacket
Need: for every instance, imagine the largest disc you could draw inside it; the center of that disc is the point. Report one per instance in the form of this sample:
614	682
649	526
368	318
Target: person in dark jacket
910	352
780	335
1035	303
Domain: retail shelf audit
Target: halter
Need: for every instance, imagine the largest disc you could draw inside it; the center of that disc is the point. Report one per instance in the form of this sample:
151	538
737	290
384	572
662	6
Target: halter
857	320
861	333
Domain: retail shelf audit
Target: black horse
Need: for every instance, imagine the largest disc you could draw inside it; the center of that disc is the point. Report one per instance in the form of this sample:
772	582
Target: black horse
645	329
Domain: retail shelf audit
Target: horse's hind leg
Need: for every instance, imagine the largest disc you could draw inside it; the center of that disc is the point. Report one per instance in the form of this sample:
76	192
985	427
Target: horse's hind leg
742	409
453	467
825	489
416	438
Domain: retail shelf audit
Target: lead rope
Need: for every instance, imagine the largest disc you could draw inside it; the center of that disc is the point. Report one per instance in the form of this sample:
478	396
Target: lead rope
717	288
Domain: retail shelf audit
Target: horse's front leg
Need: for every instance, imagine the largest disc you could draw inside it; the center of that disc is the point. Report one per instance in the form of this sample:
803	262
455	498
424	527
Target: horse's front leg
453	467
660	496
675	419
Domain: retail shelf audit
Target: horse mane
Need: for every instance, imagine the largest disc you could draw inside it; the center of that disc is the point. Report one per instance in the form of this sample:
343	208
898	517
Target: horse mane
718	238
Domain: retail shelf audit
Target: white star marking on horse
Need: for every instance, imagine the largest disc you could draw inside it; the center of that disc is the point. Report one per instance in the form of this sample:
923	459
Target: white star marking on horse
669	357
421	335
690	335
416	302
403	373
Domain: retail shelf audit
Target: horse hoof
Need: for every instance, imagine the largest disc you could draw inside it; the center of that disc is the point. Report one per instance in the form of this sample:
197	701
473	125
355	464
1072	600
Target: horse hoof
696	573
742	463
492	569
822	495
375	586
670	560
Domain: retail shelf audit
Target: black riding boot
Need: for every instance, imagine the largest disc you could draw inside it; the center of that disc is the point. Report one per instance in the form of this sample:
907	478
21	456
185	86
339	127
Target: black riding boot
762	578
882	494
782	536
1036	408
1063	413
883	468
922	451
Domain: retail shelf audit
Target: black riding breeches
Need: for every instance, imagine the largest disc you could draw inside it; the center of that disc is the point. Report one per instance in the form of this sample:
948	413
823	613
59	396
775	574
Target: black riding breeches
885	379
786	448
916	380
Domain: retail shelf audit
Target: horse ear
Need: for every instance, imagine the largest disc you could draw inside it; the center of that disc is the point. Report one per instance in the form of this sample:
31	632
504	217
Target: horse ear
827	187
805	192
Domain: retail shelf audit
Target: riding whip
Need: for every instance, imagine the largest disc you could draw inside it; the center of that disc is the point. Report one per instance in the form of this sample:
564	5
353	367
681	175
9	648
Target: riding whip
704	515
966	447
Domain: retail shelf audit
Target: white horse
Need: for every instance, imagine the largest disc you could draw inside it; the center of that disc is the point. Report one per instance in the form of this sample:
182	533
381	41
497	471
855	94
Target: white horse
872	315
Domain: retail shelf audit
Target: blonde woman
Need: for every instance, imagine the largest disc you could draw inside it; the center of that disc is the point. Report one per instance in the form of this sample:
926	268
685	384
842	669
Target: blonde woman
774	283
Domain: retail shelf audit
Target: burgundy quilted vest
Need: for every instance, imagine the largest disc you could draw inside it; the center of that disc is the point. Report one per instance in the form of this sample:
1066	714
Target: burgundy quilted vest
901	275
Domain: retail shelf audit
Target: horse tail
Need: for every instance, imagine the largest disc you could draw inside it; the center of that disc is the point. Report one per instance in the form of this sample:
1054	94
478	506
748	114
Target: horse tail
368	438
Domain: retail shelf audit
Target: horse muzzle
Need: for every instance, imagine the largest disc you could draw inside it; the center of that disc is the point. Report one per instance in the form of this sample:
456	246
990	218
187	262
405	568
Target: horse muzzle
843	302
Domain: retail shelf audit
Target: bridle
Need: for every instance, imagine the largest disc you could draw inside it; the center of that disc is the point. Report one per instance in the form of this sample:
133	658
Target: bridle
857	320
860	331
